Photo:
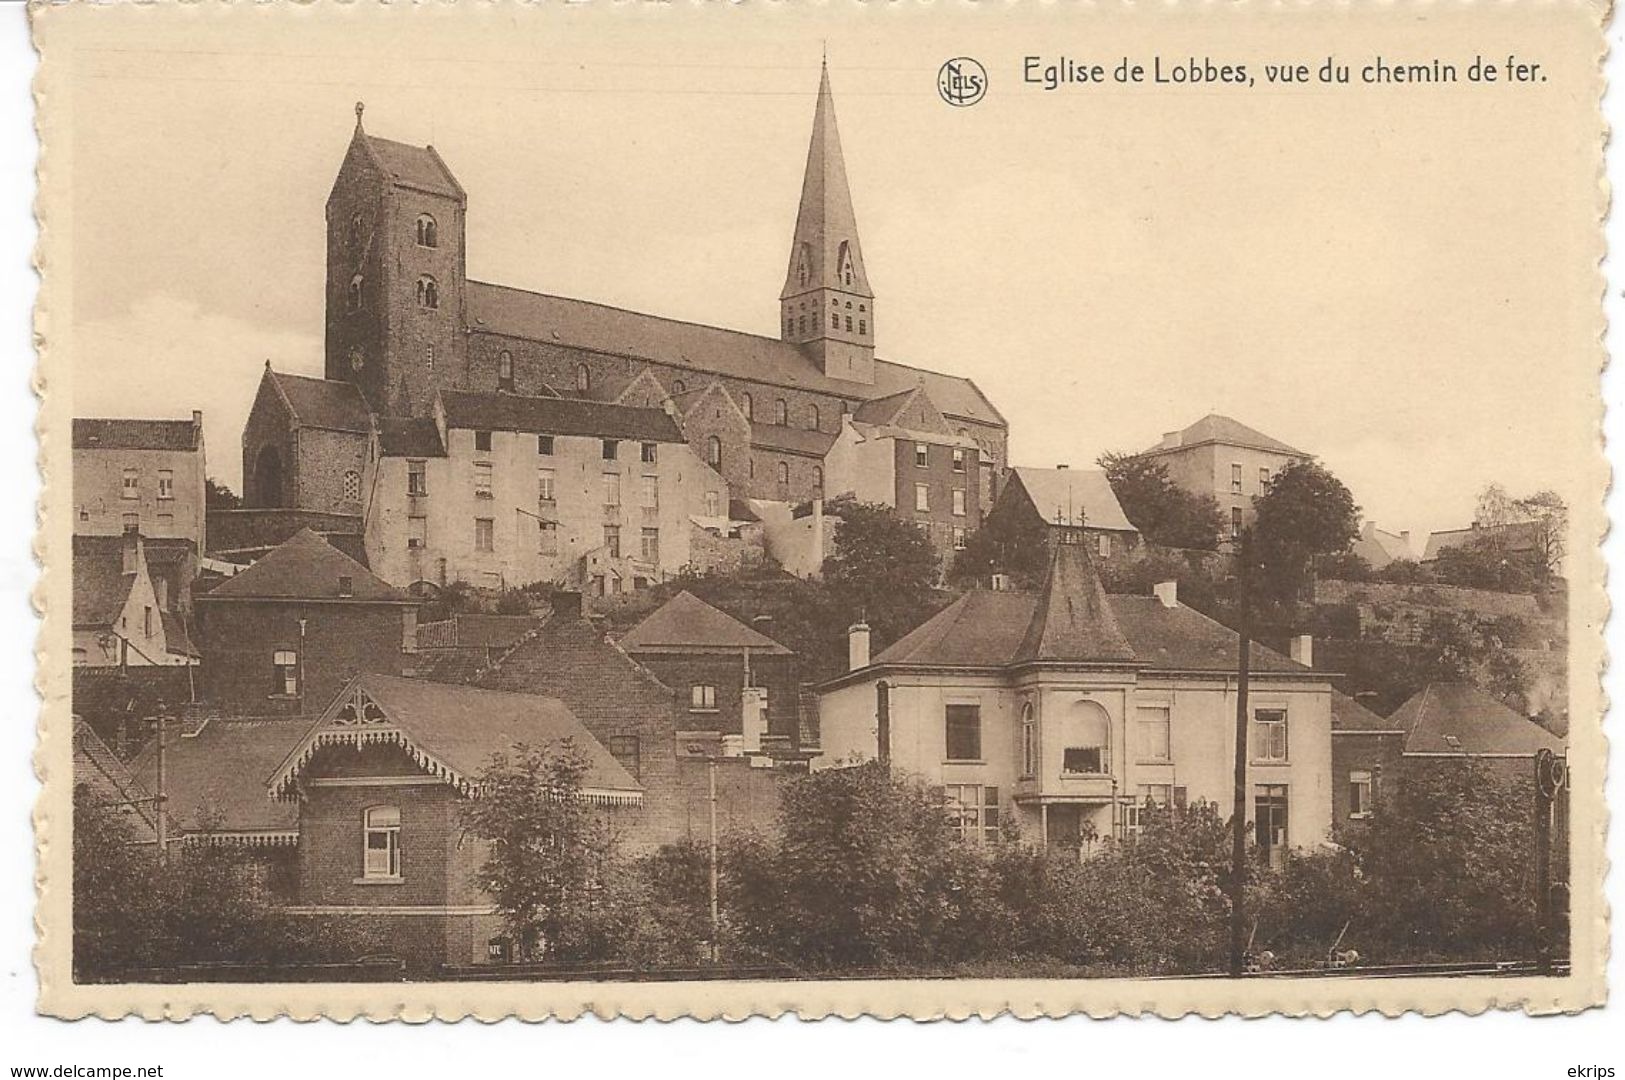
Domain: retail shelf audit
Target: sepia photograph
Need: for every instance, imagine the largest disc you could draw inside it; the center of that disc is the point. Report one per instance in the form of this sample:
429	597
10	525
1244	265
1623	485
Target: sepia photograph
835	511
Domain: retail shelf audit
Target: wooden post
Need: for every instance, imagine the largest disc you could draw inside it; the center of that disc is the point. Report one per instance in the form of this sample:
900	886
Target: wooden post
1238	816
716	913
161	811
1543	860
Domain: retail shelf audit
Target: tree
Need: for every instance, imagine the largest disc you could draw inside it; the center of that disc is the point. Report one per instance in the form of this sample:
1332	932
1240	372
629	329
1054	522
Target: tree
883	569
1165	513
449	600
1549	514
1009	543
549	852
1487	561
1306	512
217	496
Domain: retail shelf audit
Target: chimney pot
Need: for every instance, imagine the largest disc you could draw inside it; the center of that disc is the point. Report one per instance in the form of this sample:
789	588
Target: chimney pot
1303	649
857	646
1167	592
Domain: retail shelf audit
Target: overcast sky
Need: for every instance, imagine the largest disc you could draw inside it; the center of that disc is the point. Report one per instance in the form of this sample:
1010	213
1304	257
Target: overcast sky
1399	281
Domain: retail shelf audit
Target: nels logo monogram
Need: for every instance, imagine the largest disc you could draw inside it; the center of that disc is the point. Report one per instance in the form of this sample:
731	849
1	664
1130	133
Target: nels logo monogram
962	81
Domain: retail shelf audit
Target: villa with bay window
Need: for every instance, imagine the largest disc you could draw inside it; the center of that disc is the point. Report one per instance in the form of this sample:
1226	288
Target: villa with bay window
1059	713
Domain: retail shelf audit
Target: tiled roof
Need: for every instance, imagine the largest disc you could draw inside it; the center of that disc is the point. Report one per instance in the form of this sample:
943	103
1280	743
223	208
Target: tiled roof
95	434
600	328
685	623
415	166
1350	715
1516	536
472	630
1457	712
1074	497
456	729
791	439
217	777
883	410
324	403
556	416
400	436
100	585
1073	620
306	567
1215	428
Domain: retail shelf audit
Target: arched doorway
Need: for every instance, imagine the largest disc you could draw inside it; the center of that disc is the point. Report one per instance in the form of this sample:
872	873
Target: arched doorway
268	490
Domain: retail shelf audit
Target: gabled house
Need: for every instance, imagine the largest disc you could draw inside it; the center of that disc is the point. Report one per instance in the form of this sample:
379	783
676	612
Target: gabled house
1060	712
284	635
1366	756
118	618
1067	501
1225	458
1379	547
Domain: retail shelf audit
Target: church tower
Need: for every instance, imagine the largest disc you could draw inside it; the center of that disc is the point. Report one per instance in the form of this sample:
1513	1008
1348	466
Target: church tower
826	306
395	274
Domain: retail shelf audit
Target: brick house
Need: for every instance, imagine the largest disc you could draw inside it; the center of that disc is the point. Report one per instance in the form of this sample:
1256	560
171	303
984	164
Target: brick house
284	635
1226	459
1068	500
141	475
1366	756
737	682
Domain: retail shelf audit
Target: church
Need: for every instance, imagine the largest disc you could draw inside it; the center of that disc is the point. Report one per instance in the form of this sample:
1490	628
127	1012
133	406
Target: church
414	348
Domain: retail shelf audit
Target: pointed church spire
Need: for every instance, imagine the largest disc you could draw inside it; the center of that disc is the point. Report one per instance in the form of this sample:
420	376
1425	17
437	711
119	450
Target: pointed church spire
826	304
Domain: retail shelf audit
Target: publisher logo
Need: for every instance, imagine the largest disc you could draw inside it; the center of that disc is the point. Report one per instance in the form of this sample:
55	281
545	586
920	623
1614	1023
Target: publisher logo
962	82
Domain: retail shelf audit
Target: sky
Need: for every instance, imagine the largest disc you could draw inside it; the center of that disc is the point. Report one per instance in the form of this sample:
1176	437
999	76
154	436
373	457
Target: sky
1399	280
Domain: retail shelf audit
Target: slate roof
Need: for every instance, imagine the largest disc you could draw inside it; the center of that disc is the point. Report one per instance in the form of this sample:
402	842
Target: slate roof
454	730
685	623
1379	547
825	220
883	410
793	440
600	328
414	166
306	567
557	416
1477	722
100	585
402	436
97	434
221	772
1349	715
1073	620
1074	497
1516	536
323	403
1217	428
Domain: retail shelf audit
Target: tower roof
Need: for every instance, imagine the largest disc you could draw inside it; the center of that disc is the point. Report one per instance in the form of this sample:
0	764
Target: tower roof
825	221
1073	619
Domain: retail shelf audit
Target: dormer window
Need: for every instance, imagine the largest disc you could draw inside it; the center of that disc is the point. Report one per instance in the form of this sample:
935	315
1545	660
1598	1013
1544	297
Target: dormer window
428	293
844	261
426	232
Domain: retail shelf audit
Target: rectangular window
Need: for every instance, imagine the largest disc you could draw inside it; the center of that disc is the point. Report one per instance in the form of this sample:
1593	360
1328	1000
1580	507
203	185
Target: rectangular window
973	811
132	485
959	502
547	538
651	492
544	445
1083	761
959	538
146	622
1270	818
484	534
624	749
544	488
959	459
1263	479
166	483
922	455
963	725
417	531
482	480
1235	478
482	441
1235	522
417	479
702	697
381	856
285	673
1360	793
166	524
612	492
1154	729
1104	545
1269	735
922	497
713	504
132	523
612	540
649	545
611	449
1029	741
647	454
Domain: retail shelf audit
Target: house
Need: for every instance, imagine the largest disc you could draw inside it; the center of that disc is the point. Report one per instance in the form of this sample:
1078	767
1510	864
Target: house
1059	712
284	635
1366	758
1067	500
118	618
1515	538
739	683
140	475
406	326
501	491
1224	458
1379	548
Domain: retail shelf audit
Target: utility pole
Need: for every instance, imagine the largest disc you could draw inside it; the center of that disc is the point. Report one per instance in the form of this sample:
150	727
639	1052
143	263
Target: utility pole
160	813
716	913
1238	815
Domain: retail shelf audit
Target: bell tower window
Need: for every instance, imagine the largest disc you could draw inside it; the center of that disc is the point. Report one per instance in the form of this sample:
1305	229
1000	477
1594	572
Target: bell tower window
426	232
428	293
583	379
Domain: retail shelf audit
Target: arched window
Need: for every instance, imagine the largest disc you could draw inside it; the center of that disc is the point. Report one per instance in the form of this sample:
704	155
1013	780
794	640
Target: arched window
1029	741
784	474
781	412
352	486
583	379
746	405
428	292
381	849
355	293
678	386
713	452
813	418
1086	740
818	481
426	232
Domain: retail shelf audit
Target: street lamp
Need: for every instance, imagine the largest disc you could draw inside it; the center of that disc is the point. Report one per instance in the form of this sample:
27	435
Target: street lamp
699	750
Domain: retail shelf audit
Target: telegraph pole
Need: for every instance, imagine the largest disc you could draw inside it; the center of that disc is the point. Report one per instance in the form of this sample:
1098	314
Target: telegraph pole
160	814
716	913
1238	815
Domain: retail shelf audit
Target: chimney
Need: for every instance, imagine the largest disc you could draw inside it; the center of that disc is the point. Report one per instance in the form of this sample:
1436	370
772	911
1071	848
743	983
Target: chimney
131	551
1368	530
1059	467
567	605
1303	650
1405	535
857	646
1167	593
